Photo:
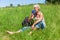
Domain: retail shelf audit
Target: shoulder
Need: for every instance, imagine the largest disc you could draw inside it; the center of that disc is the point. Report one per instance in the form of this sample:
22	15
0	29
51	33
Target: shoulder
40	12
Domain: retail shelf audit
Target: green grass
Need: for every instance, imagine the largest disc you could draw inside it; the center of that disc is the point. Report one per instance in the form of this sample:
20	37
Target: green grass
11	19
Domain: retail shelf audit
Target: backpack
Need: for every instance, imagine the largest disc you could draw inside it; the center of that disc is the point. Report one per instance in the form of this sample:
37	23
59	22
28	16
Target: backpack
26	22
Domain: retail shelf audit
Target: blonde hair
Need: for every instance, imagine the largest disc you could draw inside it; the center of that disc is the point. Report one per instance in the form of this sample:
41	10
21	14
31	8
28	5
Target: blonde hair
36	5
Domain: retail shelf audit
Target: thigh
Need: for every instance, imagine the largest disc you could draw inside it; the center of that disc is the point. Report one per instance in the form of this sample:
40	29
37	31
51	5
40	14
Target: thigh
38	25
43	25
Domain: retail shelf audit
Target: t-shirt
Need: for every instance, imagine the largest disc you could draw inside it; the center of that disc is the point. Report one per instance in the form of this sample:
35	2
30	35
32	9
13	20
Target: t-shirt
34	13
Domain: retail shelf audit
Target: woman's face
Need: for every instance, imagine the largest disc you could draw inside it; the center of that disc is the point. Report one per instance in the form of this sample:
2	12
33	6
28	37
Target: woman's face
36	8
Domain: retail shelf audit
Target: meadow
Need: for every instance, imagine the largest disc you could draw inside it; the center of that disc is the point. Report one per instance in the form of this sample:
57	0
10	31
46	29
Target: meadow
12	17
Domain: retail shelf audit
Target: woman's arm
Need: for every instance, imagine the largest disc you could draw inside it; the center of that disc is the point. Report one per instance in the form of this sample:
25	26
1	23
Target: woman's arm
38	20
31	16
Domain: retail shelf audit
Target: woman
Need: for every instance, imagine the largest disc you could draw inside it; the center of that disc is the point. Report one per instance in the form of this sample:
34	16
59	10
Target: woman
39	19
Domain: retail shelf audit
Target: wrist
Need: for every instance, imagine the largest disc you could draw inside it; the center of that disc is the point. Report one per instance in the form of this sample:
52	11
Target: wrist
33	24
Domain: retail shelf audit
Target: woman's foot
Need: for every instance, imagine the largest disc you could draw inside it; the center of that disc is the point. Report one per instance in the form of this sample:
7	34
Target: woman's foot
30	33
10	32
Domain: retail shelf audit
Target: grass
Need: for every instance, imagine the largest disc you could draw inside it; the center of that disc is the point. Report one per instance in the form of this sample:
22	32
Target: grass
11	19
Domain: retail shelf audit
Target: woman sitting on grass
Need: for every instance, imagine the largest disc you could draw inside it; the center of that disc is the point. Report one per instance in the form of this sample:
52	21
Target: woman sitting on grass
38	21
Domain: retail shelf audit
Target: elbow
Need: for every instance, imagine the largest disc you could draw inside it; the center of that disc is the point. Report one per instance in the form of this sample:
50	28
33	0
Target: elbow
41	19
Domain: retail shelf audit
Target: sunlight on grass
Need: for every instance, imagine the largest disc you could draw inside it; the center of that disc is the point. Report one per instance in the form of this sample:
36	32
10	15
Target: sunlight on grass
11	19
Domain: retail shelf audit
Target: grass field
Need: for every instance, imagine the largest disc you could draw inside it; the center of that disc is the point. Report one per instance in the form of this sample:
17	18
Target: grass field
12	17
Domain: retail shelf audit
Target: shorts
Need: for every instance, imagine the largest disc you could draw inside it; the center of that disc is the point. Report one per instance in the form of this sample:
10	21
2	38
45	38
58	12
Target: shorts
41	24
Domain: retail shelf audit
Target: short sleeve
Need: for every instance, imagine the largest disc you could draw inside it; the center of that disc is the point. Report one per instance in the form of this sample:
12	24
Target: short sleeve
33	11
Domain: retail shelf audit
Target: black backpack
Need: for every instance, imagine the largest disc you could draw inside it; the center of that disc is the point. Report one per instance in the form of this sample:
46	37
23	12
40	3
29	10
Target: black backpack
26	22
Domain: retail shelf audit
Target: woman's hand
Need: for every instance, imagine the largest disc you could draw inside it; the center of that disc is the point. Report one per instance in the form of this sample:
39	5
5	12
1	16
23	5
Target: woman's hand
32	26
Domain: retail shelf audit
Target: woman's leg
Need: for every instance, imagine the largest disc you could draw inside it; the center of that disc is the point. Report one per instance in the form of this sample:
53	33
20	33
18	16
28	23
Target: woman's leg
21	30
13	32
37	26
32	30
